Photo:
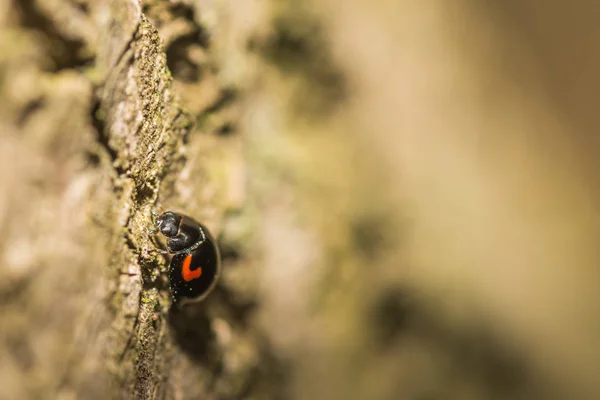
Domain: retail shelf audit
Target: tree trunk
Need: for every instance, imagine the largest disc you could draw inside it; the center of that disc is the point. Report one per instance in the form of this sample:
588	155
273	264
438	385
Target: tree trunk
94	135
402	194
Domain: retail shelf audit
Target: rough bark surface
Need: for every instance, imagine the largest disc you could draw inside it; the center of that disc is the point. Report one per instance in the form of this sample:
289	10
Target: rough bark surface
405	196
92	130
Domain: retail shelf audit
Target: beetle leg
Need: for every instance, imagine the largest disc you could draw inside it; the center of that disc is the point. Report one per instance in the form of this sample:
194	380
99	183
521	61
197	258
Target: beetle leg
155	251
156	223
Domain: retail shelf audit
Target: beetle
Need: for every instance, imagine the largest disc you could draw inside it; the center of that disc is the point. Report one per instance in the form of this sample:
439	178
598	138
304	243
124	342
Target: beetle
196	264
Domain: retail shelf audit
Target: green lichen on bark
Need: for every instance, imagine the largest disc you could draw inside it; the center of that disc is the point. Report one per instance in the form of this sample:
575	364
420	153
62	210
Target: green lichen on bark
107	137
145	129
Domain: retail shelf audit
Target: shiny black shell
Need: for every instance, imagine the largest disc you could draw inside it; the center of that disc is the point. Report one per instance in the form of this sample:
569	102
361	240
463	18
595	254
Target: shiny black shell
192	276
196	264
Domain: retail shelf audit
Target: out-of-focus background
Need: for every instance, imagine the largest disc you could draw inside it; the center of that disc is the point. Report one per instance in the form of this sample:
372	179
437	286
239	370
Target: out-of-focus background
405	193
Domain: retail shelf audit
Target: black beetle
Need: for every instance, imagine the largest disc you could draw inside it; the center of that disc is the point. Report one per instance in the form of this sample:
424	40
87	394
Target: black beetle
196	264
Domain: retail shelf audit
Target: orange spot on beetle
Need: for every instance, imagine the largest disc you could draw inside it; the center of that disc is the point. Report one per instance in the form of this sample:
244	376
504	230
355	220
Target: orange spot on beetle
187	274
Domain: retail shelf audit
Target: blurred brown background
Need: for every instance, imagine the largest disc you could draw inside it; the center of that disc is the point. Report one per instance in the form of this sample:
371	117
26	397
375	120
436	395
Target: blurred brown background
405	193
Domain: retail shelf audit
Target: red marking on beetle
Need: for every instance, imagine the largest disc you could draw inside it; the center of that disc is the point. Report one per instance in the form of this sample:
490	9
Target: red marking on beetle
185	270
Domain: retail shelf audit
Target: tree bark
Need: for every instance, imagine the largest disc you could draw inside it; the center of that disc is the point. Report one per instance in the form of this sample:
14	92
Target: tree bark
94	134
401	190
